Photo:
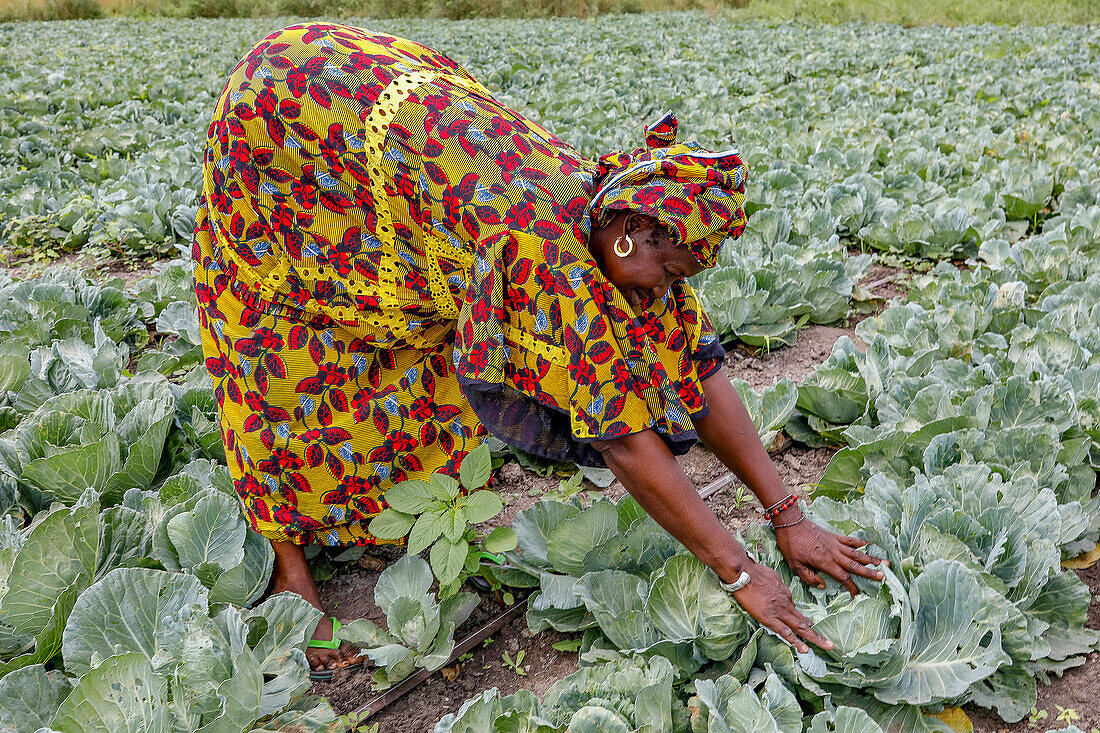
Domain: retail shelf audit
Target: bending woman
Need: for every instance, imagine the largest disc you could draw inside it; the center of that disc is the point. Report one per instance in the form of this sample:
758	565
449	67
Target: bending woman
390	264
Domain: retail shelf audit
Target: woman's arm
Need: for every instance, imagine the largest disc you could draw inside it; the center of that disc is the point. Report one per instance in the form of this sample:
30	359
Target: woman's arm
649	471
729	433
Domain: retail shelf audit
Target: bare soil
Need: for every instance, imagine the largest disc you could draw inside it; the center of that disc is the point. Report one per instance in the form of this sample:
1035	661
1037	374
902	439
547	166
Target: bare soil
25	268
90	263
885	282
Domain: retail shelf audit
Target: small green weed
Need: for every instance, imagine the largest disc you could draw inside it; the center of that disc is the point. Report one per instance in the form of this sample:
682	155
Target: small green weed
516	665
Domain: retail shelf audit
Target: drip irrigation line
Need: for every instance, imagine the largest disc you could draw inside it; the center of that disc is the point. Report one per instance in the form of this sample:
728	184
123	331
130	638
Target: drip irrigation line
715	485
379	702
883	281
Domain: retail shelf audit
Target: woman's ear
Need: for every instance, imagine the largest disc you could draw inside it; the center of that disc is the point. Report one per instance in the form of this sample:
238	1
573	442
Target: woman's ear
638	222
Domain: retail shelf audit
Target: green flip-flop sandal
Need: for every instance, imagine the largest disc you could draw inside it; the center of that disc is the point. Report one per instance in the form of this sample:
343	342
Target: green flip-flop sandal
481	583
324	675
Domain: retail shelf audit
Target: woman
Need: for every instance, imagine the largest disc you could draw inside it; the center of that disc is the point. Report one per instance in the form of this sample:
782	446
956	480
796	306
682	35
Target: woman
391	264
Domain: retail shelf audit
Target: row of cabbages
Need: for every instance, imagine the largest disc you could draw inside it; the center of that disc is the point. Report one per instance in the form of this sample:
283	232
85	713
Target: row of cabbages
771	282
971	426
973	609
142	592
927	141
126	567
81	334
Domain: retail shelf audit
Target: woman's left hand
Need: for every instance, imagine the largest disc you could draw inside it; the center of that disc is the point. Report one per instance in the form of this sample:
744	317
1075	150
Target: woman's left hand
809	548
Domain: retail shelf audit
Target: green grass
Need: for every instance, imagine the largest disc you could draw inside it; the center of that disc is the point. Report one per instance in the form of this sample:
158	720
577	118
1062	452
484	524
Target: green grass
453	9
926	12
903	12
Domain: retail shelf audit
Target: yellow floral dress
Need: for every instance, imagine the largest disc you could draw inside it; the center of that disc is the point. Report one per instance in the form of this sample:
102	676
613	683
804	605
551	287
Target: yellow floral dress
388	262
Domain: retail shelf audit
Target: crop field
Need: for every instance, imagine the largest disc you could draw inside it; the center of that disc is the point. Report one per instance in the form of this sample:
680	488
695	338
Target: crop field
912	318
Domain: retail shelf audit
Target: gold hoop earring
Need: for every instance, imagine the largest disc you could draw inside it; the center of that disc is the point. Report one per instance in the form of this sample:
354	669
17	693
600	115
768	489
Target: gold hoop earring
629	248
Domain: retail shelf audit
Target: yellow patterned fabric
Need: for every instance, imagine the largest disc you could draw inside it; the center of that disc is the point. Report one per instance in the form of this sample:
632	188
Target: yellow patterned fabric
388	262
697	194
553	358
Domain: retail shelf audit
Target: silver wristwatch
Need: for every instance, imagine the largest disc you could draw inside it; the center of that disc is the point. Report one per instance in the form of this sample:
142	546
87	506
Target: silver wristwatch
742	580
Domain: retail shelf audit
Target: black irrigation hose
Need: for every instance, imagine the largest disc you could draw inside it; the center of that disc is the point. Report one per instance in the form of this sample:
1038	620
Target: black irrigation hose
378	702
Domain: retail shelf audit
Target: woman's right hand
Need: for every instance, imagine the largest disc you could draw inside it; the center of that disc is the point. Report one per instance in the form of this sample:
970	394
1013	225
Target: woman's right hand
769	601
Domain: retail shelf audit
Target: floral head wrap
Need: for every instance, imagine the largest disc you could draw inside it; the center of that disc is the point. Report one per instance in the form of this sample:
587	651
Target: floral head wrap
697	194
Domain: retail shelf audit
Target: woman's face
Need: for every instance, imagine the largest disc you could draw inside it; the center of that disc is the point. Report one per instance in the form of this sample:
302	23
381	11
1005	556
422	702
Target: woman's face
646	274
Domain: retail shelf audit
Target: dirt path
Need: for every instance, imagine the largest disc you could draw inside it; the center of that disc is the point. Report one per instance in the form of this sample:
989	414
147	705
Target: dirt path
95	267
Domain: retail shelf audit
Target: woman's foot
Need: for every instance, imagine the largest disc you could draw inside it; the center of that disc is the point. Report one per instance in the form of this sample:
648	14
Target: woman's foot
291	573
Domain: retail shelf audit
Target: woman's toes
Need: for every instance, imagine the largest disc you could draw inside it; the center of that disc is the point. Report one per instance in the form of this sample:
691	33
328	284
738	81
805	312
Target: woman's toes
323	660
332	659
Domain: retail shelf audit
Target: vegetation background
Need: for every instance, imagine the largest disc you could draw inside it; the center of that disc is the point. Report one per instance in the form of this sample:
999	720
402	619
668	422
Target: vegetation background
905	12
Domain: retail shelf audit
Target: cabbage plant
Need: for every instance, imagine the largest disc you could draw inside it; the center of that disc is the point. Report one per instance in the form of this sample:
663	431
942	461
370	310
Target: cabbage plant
765	286
106	440
629	696
632	695
191	666
421	631
611	567
1002	539
770	409
727	705
194	530
63	304
64	366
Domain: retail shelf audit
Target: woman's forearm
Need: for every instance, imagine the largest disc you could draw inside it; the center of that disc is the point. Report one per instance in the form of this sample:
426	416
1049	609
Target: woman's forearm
728	432
649	471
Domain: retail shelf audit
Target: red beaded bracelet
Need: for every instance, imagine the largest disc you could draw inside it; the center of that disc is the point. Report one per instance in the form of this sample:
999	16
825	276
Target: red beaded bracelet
776	509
